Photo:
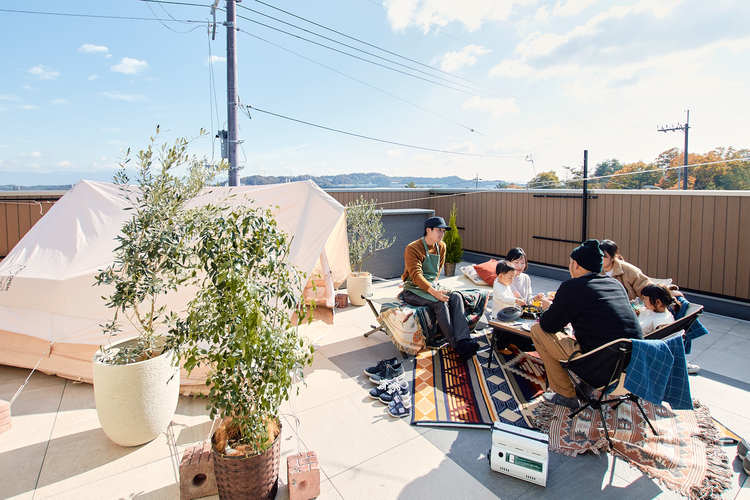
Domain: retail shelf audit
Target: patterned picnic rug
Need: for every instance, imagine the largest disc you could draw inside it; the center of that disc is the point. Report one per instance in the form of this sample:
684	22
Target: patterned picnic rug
451	392
685	457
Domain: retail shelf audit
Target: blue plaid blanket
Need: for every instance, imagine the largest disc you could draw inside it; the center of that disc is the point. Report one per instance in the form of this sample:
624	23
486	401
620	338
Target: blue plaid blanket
696	329
658	372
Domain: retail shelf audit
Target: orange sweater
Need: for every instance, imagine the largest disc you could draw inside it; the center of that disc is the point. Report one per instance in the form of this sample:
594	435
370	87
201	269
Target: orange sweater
414	254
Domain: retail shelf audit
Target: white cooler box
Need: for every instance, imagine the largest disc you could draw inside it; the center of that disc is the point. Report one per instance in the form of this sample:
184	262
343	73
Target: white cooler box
520	453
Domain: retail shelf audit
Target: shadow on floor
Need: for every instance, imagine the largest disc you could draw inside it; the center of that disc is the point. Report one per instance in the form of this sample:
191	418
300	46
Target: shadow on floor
66	456
580	477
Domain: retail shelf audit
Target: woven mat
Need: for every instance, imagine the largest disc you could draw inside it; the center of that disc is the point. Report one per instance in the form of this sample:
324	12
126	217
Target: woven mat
451	392
685	457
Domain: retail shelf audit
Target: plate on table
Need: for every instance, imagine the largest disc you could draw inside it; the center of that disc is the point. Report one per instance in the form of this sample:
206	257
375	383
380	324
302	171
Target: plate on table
526	326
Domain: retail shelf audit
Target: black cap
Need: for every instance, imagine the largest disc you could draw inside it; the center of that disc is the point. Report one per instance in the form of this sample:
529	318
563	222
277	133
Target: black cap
436	222
588	255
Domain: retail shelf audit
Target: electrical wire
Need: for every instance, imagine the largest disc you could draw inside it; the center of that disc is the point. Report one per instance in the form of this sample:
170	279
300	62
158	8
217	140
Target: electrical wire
358	40
173	19
357	49
247	109
354	56
98	16
213	105
386	92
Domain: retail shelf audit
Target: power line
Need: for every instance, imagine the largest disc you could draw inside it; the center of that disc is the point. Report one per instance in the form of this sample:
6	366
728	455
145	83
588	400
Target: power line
359	40
353	47
386	92
173	19
636	172
375	139
354	55
98	16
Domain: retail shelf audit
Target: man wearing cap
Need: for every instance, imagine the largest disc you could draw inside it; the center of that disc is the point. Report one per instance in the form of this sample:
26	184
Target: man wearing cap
597	307
423	261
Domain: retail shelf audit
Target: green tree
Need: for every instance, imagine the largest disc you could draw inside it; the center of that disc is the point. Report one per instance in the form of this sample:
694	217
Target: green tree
634	180
501	185
411	185
453	244
606	167
544	180
365	231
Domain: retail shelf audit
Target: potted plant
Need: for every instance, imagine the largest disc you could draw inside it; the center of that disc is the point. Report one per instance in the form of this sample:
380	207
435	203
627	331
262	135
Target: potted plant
453	245
364	229
136	380
241	324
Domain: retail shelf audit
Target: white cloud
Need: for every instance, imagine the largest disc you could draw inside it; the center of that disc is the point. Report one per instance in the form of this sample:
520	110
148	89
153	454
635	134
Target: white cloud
129	66
428	13
216	59
59	101
120	96
453	61
93	77
90	48
571	7
495	106
64	163
29	106
43	72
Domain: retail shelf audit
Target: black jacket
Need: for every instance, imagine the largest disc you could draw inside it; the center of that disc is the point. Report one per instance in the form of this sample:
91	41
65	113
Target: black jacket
598	308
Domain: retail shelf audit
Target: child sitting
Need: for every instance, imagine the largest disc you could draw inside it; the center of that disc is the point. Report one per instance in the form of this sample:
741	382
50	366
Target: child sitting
502	293
657	300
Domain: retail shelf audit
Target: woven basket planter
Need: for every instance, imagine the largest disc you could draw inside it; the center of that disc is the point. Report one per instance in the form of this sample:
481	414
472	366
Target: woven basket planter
254	477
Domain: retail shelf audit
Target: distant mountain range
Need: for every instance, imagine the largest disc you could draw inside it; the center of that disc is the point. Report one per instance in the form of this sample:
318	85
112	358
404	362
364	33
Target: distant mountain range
373	180
355	180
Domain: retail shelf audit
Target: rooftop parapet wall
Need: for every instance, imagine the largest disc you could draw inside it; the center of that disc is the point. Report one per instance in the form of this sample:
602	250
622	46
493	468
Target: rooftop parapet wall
700	239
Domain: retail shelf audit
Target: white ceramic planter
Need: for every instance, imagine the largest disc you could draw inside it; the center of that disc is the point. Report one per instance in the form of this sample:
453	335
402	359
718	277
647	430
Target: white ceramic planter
357	285
136	402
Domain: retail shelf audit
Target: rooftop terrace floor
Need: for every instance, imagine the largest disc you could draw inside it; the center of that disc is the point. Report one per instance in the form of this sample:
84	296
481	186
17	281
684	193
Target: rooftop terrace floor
56	448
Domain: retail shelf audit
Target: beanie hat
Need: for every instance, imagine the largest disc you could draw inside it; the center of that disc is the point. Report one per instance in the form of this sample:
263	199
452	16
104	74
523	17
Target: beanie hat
588	255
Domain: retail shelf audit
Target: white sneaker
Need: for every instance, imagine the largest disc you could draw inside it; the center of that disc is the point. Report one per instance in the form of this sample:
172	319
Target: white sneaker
693	369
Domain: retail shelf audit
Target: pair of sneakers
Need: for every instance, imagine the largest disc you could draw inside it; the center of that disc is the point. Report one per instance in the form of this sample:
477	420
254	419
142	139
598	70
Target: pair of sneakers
386	391
386	369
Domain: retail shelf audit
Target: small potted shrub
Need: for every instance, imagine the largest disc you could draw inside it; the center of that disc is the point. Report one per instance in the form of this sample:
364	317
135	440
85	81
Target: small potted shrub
137	380
453	245
364	229
241	325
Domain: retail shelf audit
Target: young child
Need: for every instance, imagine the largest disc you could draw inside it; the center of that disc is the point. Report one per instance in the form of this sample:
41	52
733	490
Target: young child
502	292
657	300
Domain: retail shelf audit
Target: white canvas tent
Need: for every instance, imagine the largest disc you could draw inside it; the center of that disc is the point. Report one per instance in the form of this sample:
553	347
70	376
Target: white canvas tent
49	308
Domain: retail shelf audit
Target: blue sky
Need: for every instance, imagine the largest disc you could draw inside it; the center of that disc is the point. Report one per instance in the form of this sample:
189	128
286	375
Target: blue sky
551	78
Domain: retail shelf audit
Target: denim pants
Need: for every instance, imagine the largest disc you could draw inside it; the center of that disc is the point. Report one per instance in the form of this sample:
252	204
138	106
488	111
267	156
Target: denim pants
449	315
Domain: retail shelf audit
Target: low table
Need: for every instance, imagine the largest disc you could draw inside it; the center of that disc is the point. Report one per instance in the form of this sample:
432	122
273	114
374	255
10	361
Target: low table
515	328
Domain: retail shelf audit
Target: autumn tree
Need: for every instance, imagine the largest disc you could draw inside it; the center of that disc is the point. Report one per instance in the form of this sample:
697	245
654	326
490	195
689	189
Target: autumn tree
607	167
544	180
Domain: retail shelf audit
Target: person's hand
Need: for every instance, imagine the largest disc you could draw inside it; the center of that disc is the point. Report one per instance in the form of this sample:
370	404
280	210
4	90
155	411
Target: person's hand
438	295
520	302
545	302
539	296
677	293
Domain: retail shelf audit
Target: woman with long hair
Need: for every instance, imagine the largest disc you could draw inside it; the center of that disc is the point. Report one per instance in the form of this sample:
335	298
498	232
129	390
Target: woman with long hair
631	277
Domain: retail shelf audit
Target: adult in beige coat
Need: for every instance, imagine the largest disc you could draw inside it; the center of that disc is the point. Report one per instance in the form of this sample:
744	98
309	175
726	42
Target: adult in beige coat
631	277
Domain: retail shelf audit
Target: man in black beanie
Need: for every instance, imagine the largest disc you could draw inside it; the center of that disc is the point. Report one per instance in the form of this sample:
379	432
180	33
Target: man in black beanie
597	307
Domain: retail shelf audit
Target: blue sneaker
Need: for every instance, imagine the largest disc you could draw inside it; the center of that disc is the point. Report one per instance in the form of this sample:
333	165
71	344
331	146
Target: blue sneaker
372	370
398	385
388	373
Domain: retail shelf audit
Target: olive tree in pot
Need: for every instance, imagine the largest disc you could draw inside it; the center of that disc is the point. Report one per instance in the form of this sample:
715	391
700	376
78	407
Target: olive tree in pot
136	380
241	324
453	245
365	232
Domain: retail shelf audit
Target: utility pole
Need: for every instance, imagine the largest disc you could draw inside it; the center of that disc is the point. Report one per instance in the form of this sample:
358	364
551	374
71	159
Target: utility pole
585	197
685	128
232	101
476	182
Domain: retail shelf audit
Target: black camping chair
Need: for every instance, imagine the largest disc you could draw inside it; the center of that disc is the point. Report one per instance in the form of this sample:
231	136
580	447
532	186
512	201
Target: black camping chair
684	323
601	370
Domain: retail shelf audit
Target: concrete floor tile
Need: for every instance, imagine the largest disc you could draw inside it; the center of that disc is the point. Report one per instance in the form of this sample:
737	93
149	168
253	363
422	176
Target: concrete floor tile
11	378
155	480
468	448
324	382
350	430
711	320
728	356
414	469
